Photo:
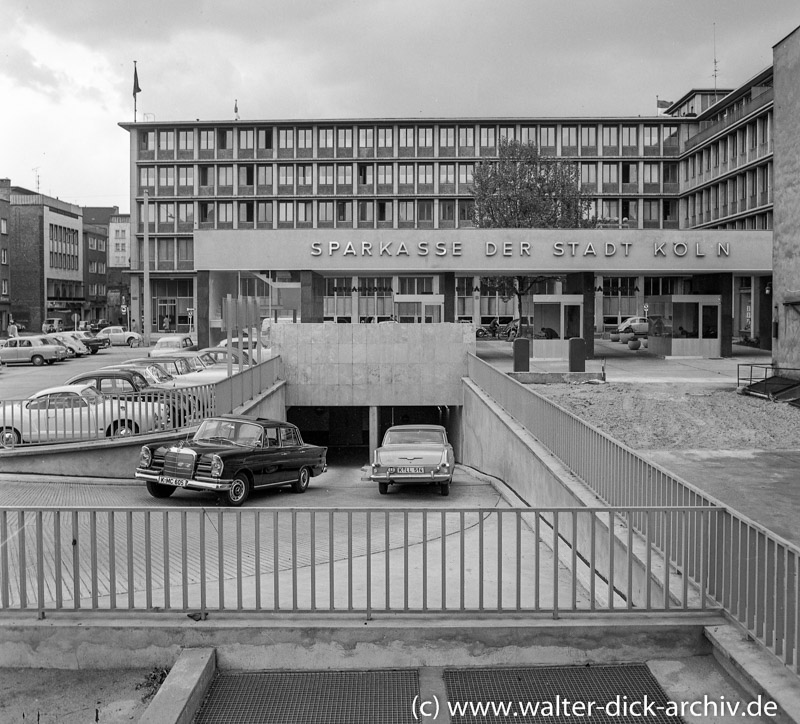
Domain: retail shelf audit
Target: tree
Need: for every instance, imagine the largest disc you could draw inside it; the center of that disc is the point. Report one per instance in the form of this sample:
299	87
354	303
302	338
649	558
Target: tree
523	189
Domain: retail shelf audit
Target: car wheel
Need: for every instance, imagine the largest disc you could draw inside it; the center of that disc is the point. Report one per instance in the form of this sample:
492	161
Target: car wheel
444	488
94	351
123	428
133	342
383	488
9	437
37	360
239	490
301	484
159	491
50	361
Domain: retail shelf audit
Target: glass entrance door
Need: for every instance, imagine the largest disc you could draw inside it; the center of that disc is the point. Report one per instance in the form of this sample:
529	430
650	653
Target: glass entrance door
166	310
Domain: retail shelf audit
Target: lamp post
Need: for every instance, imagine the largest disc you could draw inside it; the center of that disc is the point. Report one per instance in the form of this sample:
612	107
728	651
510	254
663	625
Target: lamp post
146	277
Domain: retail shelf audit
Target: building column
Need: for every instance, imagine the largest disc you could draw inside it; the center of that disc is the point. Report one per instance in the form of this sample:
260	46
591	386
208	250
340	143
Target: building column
448	281
312	297
373	430
476	301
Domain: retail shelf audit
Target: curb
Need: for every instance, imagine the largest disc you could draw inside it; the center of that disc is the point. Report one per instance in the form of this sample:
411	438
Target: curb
181	695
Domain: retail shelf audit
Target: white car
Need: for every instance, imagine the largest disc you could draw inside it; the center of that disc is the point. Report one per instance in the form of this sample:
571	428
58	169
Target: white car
76	412
120	336
637	325
78	348
171	344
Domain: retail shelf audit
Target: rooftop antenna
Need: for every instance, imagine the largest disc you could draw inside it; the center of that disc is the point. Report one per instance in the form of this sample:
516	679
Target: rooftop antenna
714	26
36	172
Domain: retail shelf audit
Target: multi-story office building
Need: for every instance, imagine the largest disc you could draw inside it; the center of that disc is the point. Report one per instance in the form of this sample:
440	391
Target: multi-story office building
95	254
5	255
358	220
119	264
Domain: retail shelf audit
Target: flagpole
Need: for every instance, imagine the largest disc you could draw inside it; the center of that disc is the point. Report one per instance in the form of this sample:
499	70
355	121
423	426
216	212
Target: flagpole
134	91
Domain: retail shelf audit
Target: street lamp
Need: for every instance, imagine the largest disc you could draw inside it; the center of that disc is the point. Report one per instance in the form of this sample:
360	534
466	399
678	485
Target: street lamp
146	277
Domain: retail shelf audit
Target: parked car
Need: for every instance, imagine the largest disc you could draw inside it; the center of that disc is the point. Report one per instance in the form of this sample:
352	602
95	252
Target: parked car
35	350
101	324
232	455
174	366
204	366
95	344
635	325
78	348
120	336
414	454
171	343
221	355
75	412
133	384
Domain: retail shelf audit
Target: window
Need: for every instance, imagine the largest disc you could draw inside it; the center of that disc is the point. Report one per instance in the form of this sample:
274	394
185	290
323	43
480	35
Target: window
385	138
264	137
650	211
415	285
246	139
405	174
344	137
264	212
147	177
207	212
285	138
650	136
264	175
3	256
186	140
610	173
304	138
206	140
425	173
326	138
588	136
365	174
385	174
547	136
589	173
246	174
405	210
166	176
344	211
630	136
406	137
186	176
344	174
527	134
325	211
384	211
465	173
630	173
325	174
366	138
650	174
447	137
610	209
425	210
225	211
147	140
186	212
365	211
611	136
3	226
670	135
304	175
285	212
225	139
487	136
447	173
425	137
569	136
305	212
166	140
508	133
166	213
225	175
285	175
466	136
447	210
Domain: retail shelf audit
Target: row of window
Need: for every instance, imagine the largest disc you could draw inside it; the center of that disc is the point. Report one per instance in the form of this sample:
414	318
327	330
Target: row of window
97	244
367	174
409	137
405	211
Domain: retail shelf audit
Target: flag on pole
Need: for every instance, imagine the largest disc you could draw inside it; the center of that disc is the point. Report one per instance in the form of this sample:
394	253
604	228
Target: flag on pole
136	88
663	104
236	109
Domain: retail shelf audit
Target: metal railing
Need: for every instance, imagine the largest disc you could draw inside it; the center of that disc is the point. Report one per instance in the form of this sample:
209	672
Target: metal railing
355	560
756	577
63	419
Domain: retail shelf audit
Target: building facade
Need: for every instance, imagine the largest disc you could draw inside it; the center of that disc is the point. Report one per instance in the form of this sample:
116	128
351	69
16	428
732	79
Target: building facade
95	250
371	219
6	316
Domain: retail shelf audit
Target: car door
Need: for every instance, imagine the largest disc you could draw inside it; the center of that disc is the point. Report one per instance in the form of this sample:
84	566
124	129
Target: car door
267	462
292	454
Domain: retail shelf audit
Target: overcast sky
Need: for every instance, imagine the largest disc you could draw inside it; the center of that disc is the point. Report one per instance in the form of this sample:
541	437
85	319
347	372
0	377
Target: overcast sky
66	74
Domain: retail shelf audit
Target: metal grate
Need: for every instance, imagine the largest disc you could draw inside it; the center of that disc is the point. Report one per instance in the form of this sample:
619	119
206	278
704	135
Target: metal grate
506	693
350	697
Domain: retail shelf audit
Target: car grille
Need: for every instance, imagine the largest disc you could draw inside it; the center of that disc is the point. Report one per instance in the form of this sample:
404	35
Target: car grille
180	463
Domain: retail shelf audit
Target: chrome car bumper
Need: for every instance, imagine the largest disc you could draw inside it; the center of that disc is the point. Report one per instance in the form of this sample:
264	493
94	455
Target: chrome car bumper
429	477
219	485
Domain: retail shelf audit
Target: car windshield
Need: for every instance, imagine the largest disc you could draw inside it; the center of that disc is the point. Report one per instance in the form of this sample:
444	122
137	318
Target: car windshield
92	396
156	374
414	437
233	432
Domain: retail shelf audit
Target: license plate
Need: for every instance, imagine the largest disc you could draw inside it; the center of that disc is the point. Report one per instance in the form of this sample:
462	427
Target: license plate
412	471
177	482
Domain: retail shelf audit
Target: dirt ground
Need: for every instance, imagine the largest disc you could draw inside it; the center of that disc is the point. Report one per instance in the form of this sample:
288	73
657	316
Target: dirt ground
52	696
673	417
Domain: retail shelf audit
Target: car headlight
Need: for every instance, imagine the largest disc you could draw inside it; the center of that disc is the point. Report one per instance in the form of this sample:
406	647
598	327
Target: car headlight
145	457
216	466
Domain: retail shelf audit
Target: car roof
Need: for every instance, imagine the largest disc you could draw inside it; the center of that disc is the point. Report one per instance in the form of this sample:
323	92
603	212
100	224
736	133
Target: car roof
416	427
76	387
263	421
